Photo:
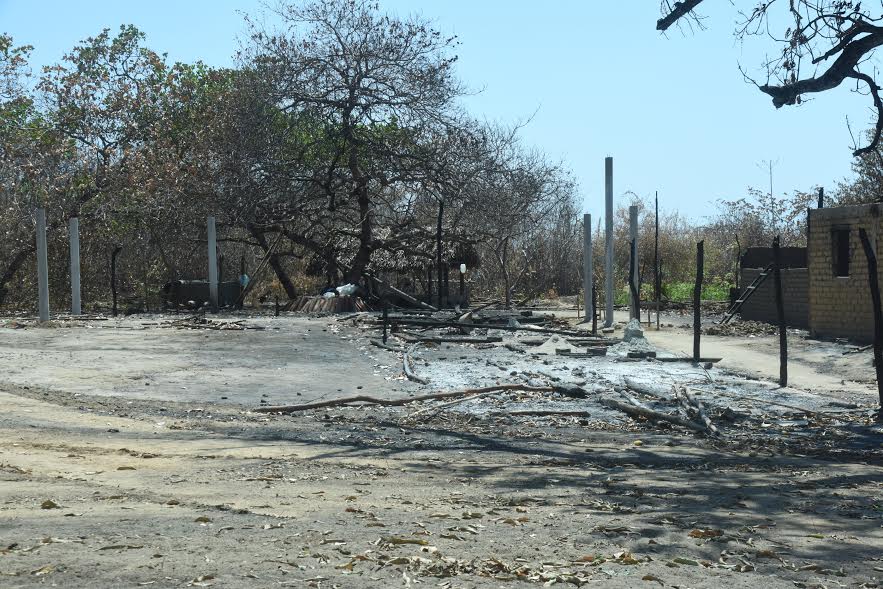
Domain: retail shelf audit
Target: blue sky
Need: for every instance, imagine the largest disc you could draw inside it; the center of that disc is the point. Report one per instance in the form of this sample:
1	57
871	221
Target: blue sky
674	112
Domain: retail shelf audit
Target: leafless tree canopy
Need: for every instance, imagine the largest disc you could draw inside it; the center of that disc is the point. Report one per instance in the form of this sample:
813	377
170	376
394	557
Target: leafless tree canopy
821	44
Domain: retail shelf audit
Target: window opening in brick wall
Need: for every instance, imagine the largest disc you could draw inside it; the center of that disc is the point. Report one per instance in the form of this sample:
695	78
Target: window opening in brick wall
840	250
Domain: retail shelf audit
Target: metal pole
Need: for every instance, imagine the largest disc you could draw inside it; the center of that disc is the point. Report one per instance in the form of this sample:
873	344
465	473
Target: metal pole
212	264
635	292
587	267
74	235
608	251
42	266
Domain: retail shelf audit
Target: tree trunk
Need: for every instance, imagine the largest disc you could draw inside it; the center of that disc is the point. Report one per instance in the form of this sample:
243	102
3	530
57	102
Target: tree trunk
504	260
878	313
363	255
275	263
360	192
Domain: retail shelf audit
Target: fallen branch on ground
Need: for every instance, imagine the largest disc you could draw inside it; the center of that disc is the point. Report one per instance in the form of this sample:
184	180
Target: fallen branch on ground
775	404
567	389
504	327
399	402
353	316
544	413
437	408
646	389
380	344
406	363
647	413
453	339
632	400
402	294
692	407
698	408
857	350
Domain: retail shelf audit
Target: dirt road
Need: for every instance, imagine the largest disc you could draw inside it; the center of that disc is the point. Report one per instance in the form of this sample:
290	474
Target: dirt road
814	366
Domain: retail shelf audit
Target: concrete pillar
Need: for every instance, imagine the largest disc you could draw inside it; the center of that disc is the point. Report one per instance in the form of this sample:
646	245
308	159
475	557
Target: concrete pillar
608	238
42	266
587	267
74	235
212	264
633	236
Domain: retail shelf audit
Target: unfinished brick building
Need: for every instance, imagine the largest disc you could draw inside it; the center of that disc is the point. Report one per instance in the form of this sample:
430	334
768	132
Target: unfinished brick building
795	286
839	296
825	285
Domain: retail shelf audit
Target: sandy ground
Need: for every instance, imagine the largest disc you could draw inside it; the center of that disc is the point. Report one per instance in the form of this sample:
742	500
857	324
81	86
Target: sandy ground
279	362
123	464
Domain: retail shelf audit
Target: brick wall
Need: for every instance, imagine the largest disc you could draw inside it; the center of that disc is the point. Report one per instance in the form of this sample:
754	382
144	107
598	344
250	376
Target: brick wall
762	304
841	306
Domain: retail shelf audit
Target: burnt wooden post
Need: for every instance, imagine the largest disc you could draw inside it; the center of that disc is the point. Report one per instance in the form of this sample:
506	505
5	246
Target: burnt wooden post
385	319
656	283
588	267
276	306
697	298
878	314
821	197
594	307
780	312
113	276
633	288
634	293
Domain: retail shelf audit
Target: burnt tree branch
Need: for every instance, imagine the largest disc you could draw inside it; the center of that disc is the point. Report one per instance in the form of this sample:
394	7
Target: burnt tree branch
678	11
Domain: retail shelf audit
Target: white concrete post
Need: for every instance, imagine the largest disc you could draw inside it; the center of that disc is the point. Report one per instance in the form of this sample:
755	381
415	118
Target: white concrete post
212	264
74	235
608	245
633	236
42	266
587	268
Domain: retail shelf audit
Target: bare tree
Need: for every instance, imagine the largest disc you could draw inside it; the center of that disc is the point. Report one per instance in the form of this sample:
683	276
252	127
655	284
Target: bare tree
824	44
375	85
